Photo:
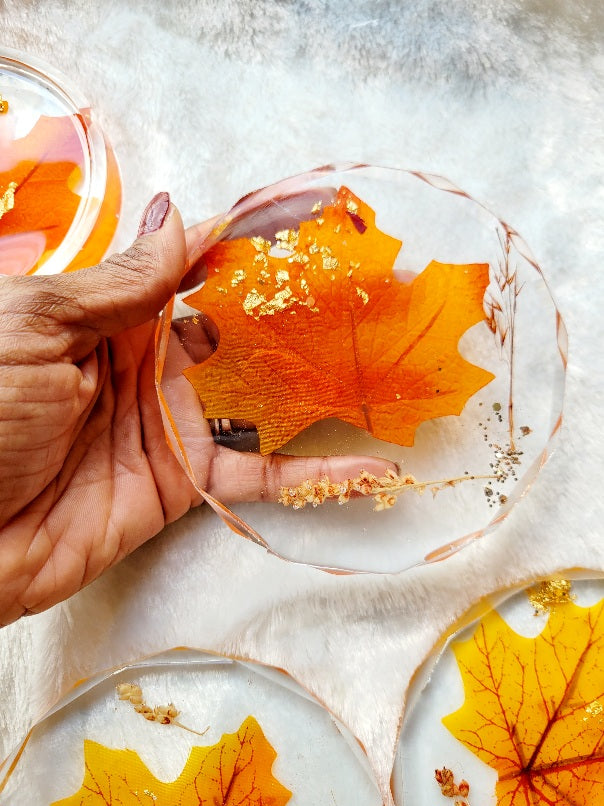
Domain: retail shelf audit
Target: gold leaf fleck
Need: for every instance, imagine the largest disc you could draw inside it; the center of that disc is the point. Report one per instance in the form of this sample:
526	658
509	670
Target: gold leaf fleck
252	301
287	239
239	276
549	594
281	277
260	244
7	200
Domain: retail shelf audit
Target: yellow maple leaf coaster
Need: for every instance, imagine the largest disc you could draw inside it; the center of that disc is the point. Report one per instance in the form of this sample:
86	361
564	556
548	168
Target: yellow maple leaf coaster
533	706
236	771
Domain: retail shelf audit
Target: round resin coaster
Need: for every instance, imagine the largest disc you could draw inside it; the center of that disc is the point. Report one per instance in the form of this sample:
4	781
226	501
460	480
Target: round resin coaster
363	312
187	727
511	710
60	189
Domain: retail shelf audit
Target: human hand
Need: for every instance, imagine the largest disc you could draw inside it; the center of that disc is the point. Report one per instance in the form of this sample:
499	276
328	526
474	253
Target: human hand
86	475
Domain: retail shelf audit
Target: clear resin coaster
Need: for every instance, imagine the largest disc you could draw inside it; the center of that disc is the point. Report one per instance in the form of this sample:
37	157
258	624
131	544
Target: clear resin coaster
511	711
60	190
362	311
189	728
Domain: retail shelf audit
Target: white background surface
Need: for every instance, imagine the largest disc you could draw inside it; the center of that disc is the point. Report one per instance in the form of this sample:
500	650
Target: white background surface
209	100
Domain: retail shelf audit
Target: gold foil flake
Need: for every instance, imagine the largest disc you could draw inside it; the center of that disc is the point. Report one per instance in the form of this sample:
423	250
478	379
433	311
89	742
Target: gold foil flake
550	593
316	208
287	239
352	206
354	265
280	302
330	263
261	258
320	221
252	301
313	248
363	295
221	290
260	244
337	229
257	305
304	285
3	106
239	276
7	200
281	277
594	708
263	276
298	257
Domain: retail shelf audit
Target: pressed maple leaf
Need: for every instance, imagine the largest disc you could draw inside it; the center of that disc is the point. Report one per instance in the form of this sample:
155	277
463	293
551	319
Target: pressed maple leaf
317	325
39	174
534	707
234	772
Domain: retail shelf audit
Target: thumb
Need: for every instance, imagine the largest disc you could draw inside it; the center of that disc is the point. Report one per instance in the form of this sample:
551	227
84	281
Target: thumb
131	287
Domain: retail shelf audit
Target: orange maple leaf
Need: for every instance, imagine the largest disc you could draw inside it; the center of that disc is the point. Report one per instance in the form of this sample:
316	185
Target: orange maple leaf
234	772
534	708
317	326
38	177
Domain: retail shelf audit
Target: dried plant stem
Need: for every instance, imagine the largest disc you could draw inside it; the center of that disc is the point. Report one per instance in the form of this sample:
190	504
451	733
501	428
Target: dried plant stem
437	484
500	309
384	489
511	387
184	727
163	714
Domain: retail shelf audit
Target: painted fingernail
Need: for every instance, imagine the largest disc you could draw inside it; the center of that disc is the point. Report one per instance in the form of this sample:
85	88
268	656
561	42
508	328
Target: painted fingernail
155	214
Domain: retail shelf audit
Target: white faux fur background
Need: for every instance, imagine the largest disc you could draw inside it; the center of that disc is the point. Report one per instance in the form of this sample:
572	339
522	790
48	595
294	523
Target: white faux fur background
209	100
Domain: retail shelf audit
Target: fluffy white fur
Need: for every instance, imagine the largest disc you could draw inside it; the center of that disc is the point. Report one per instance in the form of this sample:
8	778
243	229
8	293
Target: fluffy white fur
209	100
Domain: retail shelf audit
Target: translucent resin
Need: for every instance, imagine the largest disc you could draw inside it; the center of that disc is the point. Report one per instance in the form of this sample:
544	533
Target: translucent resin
510	710
317	760
60	190
367	311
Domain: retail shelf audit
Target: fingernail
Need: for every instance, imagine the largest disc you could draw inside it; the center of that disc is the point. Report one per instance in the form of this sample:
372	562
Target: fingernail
155	214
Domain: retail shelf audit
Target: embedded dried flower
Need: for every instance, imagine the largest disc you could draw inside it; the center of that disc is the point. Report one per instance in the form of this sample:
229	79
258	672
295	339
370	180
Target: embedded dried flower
162	714
384	489
446	780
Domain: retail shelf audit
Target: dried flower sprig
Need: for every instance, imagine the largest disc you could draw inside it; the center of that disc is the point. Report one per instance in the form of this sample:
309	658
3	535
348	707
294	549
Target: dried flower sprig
446	780
163	714
384	489
501	303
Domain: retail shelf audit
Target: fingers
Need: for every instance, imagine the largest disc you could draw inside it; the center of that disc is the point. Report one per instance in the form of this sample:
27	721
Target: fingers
196	238
130	288
238	477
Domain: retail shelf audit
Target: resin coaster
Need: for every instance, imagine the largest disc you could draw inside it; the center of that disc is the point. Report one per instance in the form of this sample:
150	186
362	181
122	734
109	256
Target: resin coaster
511	710
60	190
188	727
368	312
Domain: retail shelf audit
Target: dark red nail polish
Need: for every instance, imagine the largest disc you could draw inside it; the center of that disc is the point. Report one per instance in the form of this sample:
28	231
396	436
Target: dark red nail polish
155	214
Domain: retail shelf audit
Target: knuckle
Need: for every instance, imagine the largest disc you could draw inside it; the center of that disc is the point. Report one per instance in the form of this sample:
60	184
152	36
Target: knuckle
139	263
138	259
36	301
269	479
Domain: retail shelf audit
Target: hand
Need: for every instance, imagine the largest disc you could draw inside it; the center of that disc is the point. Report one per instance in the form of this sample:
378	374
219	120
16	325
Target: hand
86	475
